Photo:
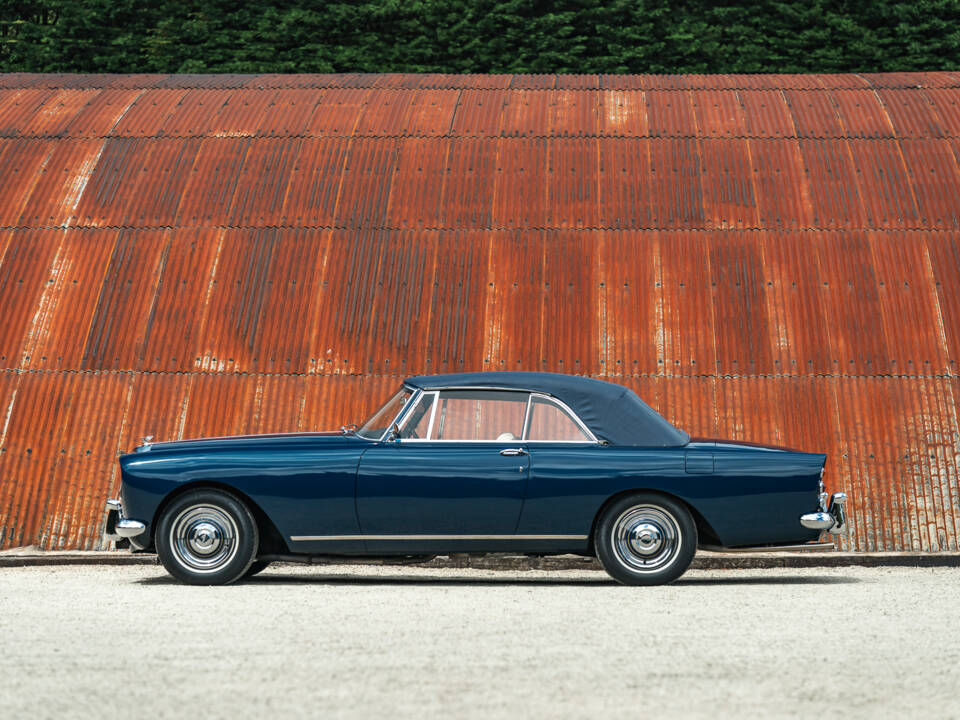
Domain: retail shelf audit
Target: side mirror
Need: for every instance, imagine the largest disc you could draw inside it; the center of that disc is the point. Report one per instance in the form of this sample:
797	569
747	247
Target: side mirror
395	433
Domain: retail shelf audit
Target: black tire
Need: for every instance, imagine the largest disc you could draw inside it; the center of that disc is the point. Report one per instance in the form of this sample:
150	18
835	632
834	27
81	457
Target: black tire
207	537
258	566
646	539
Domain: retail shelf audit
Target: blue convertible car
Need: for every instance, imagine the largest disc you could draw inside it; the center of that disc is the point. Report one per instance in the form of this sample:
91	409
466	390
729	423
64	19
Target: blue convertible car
525	463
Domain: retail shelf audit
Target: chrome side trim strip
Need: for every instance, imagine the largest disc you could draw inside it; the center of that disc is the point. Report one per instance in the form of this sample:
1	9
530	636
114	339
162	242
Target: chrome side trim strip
769	548
311	538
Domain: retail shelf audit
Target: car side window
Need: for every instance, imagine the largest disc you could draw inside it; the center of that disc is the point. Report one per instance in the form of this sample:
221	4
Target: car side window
550	422
480	415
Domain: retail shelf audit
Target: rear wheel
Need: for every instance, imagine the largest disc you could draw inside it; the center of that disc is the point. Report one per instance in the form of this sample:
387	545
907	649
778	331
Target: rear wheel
207	537
646	539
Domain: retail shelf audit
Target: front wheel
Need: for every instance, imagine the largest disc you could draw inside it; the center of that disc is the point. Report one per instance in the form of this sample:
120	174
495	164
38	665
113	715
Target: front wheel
257	567
646	539
207	537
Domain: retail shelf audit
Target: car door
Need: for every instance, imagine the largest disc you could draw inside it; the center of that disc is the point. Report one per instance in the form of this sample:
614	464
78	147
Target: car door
453	478
567	469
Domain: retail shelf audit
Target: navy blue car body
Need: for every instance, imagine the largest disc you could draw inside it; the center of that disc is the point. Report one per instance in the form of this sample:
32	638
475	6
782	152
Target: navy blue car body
380	492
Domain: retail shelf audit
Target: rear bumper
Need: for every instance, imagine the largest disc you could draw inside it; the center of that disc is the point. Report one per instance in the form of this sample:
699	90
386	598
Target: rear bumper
831	516
119	526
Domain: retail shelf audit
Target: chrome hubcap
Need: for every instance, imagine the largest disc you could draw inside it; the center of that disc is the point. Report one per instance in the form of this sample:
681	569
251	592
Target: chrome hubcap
203	538
646	538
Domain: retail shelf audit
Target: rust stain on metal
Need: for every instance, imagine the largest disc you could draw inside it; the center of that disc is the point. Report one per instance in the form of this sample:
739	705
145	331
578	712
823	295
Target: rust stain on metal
765	257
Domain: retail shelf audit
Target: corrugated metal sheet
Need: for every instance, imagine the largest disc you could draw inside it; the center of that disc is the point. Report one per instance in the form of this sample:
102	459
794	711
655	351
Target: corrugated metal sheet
771	258
17	107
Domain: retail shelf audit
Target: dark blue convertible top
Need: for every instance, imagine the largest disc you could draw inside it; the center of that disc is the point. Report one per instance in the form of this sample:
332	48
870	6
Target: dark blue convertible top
614	413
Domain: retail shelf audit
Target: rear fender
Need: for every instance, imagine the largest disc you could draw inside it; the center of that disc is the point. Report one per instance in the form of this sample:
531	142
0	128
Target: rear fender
705	533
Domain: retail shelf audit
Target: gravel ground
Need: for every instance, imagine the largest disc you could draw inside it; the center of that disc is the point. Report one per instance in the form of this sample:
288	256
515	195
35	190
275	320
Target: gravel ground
91	642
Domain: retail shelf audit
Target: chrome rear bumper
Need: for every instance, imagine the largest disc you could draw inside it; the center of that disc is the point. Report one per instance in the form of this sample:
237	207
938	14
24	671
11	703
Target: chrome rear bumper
119	526
831	517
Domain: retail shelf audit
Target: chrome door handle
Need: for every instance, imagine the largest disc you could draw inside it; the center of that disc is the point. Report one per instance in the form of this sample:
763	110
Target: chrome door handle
513	451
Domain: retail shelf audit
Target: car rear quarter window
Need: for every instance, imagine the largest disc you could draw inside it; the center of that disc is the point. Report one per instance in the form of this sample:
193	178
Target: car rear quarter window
550	422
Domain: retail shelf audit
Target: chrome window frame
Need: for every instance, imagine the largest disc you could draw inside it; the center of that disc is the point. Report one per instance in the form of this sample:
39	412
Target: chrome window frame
421	394
404	414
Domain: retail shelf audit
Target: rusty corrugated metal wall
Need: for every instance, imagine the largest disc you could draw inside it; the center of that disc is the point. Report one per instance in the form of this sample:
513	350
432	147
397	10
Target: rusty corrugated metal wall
772	258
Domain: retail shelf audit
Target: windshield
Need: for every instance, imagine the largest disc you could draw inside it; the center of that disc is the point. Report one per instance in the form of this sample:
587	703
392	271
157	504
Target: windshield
376	426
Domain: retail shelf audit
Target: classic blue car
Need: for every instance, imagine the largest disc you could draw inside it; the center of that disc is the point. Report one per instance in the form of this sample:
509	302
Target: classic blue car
501	462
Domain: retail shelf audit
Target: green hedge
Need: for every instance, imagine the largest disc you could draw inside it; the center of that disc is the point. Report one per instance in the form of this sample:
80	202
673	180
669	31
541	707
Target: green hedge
590	36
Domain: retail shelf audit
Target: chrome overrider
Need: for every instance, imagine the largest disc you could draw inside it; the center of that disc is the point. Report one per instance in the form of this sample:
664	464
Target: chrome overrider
119	526
831	516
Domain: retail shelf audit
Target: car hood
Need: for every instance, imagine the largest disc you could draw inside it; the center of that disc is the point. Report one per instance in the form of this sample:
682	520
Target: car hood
329	440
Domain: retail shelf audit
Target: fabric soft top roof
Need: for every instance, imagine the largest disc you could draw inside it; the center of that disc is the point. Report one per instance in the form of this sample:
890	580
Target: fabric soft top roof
614	413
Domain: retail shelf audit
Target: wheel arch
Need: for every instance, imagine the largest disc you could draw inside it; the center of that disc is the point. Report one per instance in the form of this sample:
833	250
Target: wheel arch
271	541
705	532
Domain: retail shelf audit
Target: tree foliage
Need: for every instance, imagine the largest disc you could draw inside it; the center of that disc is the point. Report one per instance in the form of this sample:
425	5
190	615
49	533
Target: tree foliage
482	36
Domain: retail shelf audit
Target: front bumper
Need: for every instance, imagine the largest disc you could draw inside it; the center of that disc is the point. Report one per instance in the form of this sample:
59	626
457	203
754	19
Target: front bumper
831	516
119	526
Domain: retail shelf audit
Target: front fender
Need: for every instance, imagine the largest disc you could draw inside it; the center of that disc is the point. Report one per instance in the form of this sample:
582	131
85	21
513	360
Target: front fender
301	492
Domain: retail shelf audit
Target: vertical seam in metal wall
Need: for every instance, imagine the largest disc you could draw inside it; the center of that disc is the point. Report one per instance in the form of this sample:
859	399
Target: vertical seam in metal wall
157	287
203	362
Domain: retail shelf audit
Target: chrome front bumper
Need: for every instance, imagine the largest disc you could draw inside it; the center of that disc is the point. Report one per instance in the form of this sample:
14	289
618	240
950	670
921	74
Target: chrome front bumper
119	526
831	516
